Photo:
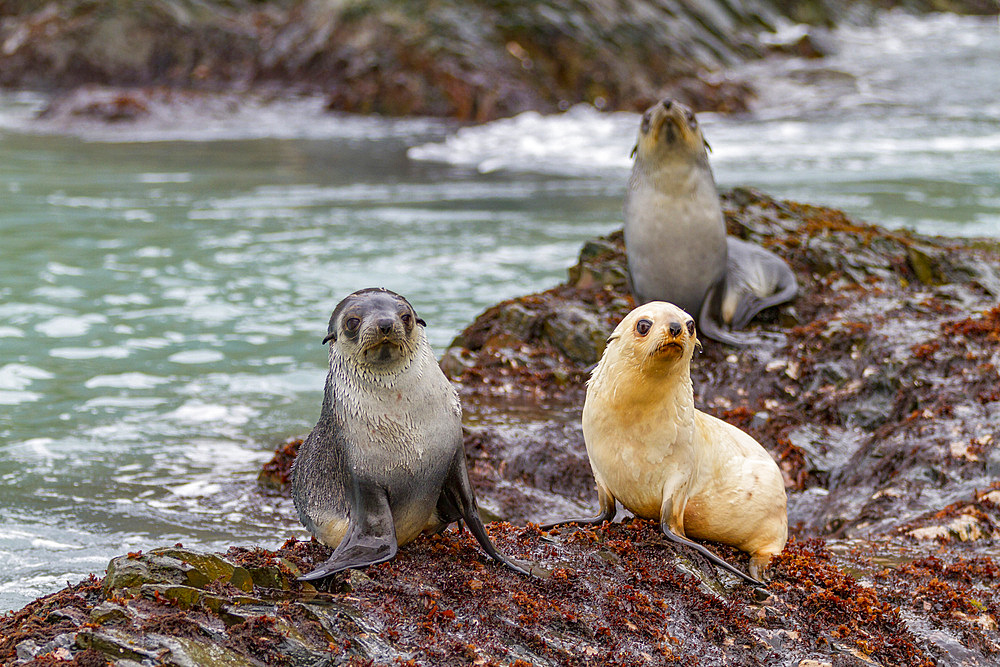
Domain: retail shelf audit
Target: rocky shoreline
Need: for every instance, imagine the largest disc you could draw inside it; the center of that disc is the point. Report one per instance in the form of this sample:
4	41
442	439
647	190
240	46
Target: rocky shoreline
875	390
472	61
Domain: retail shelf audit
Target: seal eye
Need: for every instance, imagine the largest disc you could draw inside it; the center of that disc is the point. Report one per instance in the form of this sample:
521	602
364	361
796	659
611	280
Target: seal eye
646	120
690	327
643	326
692	121
352	324
406	318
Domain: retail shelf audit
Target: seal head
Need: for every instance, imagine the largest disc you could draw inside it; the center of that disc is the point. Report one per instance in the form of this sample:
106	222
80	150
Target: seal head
375	327
385	462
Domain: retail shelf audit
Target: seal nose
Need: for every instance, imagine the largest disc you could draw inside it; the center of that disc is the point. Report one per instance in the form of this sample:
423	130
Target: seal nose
675	329
666	103
385	326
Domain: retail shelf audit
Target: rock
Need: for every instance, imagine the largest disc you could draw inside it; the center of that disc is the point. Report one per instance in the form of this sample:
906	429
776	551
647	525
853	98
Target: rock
108	613
26	650
440	597
577	333
474	61
180	568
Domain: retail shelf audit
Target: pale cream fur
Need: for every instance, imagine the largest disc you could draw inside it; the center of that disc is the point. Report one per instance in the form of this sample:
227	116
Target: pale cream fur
654	452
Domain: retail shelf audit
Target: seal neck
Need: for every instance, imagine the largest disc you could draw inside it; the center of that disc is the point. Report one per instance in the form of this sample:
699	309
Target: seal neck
676	175
626	383
369	378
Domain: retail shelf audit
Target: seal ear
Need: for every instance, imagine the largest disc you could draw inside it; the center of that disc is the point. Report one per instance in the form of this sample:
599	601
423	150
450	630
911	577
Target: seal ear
697	344
707	146
421	322
329	337
635	149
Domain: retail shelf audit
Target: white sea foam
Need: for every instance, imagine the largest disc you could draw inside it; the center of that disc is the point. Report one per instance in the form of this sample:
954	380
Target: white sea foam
196	357
132	380
110	352
196	488
14	377
69	326
52	545
163	177
581	141
8	397
196	412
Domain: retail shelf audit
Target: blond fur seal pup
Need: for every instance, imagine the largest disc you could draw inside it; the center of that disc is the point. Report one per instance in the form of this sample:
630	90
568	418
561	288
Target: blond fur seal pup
385	461
652	451
675	234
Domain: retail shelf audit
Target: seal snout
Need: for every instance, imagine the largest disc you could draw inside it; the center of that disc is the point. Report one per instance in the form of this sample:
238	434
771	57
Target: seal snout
386	325
666	103
662	331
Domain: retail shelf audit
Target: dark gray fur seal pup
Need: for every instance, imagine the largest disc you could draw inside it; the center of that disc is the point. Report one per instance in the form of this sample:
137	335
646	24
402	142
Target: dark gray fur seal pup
385	461
675	234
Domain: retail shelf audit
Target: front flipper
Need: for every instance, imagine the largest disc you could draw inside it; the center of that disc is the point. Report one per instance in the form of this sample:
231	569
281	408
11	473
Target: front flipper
370	538
665	521
608	507
458	501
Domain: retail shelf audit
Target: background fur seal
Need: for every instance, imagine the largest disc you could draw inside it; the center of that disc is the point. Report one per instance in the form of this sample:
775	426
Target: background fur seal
675	234
661	458
385	461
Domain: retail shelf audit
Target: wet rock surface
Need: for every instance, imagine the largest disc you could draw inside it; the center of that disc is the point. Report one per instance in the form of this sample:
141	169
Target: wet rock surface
617	595
876	390
472	61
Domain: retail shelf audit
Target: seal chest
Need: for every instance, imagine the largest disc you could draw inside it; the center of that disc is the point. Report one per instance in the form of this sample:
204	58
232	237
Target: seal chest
651	450
385	462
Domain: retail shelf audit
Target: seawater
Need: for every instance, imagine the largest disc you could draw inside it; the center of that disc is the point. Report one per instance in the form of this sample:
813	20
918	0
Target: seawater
164	285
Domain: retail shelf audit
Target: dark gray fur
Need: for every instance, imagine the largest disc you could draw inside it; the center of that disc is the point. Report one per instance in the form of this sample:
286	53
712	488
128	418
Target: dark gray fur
386	455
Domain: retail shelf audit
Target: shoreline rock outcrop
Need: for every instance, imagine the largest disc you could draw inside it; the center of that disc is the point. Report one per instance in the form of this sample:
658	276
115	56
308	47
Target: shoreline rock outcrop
875	390
472	61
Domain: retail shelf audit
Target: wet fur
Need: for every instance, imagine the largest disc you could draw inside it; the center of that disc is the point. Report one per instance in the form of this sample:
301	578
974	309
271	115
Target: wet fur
385	462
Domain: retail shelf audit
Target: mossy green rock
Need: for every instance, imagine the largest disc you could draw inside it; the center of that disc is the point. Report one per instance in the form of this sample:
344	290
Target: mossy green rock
175	566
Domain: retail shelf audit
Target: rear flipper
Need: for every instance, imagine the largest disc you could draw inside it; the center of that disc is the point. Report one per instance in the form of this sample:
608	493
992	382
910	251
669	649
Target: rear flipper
458	501
758	566
672	525
370	538
674	537
710	317
756	279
